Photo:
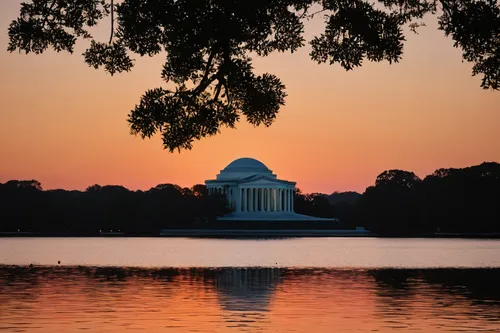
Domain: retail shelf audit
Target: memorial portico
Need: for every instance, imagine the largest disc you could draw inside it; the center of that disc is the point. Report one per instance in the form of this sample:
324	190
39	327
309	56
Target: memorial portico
252	188
253	192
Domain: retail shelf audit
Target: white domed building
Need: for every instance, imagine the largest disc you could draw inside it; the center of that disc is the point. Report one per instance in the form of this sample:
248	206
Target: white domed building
254	193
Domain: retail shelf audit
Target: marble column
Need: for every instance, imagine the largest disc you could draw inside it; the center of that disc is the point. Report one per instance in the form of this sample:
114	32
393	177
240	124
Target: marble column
278	203
251	199
256	199
244	199
262	199
268	199
255	204
264	207
287	199
271	201
282	202
293	199
271	195
237	199
275	199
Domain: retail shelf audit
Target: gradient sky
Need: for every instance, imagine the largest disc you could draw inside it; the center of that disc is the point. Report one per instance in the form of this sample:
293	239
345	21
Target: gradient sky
64	123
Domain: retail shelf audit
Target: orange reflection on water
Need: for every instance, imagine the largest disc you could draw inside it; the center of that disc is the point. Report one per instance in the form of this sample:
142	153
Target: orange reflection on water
70	299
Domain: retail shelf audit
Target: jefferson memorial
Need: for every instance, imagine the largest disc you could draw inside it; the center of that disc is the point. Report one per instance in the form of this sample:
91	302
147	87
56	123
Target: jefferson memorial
254	193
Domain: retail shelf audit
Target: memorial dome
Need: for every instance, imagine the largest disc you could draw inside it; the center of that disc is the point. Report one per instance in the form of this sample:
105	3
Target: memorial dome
244	167
246	163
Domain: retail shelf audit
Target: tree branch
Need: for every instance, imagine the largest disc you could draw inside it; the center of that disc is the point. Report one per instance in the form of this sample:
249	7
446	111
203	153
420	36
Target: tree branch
112	22
205	81
319	11
226	92
303	14
227	60
217	91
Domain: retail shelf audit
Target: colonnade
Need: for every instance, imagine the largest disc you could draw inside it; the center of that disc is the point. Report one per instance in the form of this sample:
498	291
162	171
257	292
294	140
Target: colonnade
261	199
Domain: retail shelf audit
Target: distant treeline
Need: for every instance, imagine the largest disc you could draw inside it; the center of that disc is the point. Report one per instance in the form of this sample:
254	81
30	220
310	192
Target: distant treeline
25	207
449	200
400	203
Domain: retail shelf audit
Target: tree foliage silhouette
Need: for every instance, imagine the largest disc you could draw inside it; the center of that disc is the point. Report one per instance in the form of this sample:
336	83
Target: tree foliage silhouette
208	44
24	206
449	200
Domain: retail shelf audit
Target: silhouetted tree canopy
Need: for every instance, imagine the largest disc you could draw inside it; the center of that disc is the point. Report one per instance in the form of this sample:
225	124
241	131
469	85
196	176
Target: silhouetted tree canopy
207	45
24	206
449	200
343	197
314	204
400	178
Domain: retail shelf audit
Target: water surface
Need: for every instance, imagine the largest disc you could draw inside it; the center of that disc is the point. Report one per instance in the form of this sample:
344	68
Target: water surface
290	252
287	285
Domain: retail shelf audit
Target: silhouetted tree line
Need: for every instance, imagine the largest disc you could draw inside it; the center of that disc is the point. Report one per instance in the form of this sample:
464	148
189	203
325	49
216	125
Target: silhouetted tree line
449	200
24	206
400	203
339	205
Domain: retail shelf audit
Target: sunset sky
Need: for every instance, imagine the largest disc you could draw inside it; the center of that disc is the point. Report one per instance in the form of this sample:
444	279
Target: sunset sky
64	123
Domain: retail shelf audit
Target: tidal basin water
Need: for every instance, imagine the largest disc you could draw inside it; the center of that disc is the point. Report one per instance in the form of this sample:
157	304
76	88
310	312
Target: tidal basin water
268	285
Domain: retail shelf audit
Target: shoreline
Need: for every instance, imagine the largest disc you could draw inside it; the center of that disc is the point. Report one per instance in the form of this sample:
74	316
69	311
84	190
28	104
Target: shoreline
249	233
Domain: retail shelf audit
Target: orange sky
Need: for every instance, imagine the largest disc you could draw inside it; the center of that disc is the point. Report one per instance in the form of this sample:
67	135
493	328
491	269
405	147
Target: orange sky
64	123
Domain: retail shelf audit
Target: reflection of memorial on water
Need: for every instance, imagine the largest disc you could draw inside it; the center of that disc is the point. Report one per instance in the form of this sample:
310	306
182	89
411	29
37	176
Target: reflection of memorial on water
245	294
182	300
